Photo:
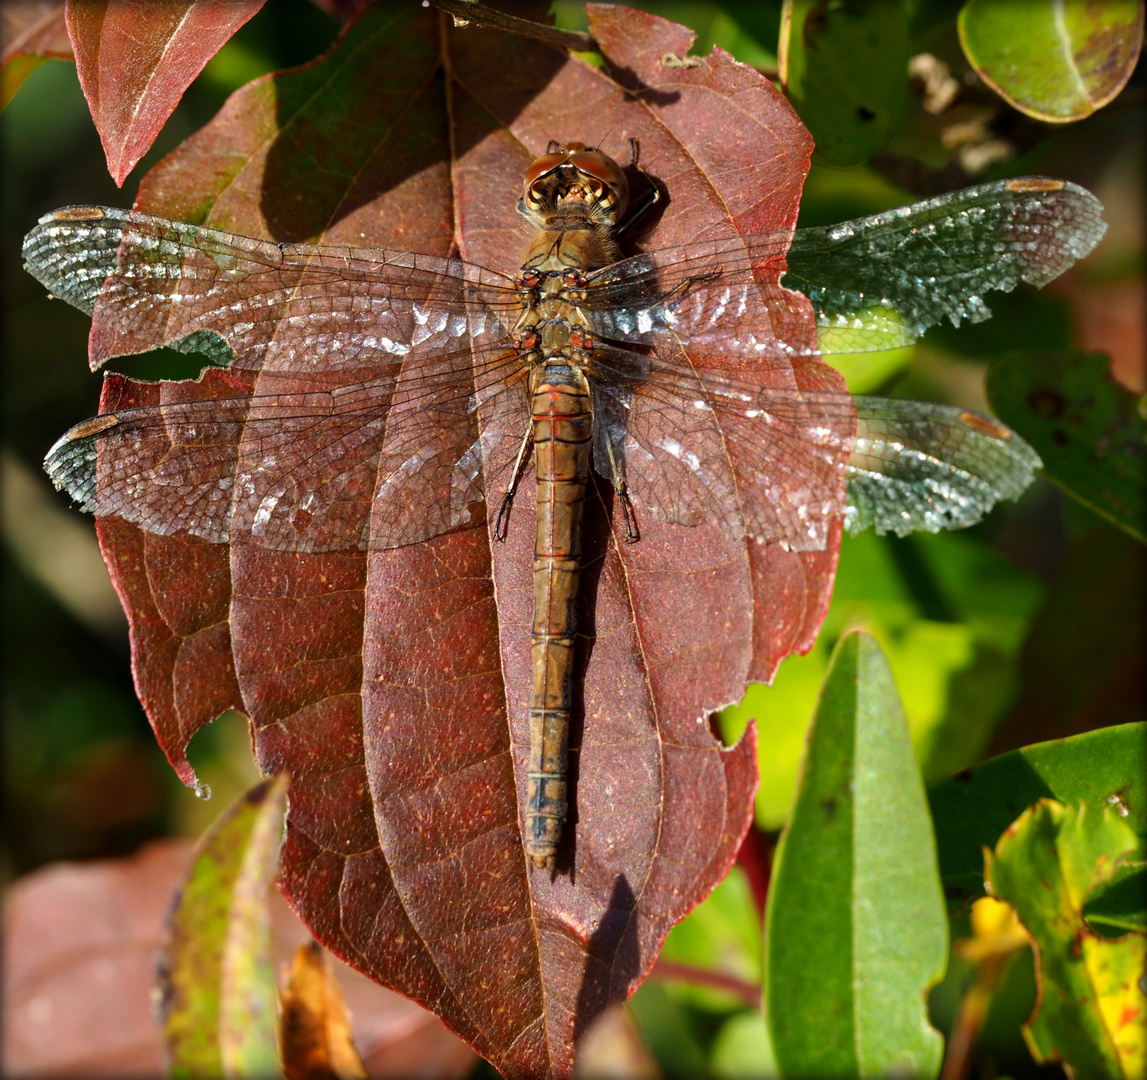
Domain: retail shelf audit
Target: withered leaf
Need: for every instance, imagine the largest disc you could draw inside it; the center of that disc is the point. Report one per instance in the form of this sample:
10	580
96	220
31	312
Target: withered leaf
314	1030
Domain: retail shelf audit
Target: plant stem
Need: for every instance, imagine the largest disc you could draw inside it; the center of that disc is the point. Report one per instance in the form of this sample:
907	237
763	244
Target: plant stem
473	11
747	992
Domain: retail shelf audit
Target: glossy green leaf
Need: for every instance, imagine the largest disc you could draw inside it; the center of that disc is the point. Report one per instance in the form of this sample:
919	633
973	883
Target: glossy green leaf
855	927
845	69
971	811
1091	1008
217	977
1090	430
1120	904
1054	61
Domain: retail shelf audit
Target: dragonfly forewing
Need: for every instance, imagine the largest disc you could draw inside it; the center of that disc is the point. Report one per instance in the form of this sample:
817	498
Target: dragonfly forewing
307	306
885	279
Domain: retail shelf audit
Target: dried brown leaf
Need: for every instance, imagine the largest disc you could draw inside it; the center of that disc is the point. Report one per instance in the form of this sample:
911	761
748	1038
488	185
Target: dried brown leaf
314	1029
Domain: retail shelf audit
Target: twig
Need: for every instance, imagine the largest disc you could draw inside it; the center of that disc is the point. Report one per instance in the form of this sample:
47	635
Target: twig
749	993
473	11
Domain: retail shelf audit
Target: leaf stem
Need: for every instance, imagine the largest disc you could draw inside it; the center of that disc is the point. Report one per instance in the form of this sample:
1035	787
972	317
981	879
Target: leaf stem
747	992
474	11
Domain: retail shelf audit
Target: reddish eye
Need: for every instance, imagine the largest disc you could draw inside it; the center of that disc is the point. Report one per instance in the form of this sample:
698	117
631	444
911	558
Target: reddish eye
596	164
603	169
545	164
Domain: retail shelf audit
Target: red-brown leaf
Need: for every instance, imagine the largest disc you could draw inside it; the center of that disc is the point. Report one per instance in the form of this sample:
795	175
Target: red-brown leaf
33	28
31	31
136	57
393	685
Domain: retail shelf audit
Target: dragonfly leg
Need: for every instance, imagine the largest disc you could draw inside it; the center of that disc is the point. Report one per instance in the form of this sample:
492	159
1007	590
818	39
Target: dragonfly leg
686	284
647	201
631	533
503	520
622	489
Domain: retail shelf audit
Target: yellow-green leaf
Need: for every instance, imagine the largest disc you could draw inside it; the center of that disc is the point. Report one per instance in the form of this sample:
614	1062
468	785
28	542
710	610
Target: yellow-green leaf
1054	61
217	979
1091	1008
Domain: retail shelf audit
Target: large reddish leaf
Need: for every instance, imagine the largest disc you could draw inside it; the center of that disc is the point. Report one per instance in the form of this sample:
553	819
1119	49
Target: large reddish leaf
393	685
136	57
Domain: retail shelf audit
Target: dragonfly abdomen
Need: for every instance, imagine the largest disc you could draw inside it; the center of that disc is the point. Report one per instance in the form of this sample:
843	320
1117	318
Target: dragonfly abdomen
562	427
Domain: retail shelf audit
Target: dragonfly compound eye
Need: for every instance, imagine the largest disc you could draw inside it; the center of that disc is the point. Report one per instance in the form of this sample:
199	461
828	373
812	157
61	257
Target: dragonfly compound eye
596	179
603	174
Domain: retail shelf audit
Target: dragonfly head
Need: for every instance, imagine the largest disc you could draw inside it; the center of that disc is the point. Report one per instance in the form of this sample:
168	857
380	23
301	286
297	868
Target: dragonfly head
575	176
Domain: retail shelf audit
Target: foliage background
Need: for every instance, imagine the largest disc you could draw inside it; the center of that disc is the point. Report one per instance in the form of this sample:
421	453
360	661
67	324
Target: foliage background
1026	628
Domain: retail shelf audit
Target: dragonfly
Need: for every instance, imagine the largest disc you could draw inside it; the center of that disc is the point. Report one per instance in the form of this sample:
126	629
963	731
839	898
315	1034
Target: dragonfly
411	385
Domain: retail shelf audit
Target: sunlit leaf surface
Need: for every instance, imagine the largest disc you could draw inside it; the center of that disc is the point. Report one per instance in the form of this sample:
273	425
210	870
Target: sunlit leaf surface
1091	1004
135	61
971	810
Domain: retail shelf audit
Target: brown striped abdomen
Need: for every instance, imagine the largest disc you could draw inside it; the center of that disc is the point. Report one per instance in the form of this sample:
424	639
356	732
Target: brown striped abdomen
563	429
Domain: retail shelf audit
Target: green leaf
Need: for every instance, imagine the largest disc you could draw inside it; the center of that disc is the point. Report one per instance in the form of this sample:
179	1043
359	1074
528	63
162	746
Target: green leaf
845	69
668	1029
1091	1005
1120	904
972	810
217	978
1056	62
855	928
1089	429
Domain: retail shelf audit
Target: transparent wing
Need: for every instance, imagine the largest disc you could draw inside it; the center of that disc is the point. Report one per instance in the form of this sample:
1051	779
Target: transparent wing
158	282
875	283
378	463
778	463
917	465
